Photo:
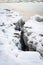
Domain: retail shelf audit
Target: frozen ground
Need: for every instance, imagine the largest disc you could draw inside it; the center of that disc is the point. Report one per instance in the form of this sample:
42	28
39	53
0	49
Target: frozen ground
9	53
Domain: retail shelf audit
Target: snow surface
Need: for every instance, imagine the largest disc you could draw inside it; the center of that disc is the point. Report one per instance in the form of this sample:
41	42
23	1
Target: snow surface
34	32
9	53
37	27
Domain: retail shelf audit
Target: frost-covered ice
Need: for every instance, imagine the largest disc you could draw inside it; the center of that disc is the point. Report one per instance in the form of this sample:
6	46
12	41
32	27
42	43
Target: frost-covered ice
9	40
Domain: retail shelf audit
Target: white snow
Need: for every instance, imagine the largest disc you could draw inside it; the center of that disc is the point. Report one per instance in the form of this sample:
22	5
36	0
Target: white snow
9	53
36	26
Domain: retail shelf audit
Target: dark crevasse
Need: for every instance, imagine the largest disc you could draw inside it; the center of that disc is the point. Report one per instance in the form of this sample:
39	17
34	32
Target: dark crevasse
23	45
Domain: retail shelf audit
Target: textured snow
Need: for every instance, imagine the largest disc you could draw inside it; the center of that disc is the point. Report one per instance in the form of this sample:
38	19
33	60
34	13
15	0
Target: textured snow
34	32
9	53
36	26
